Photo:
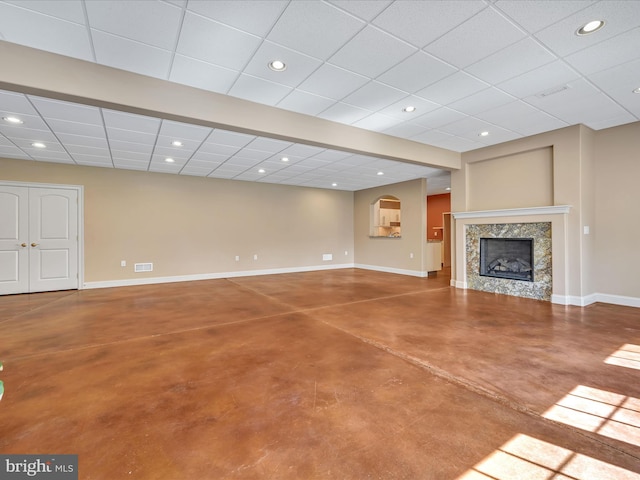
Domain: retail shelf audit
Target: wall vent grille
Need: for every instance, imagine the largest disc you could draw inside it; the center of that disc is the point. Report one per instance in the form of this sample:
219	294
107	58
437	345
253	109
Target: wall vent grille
143	267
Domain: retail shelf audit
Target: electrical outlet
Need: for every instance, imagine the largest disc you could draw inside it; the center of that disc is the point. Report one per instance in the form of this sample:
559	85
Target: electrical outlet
237	258
255	256
411	255
346	252
123	263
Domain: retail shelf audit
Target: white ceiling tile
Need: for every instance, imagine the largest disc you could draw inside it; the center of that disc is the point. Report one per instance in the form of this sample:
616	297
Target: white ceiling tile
92	160
199	74
161	160
70	10
421	106
33	122
206	40
482	35
454	87
128	156
95	142
258	90
130	121
376	122
364	9
27	135
165	168
210	164
130	147
16	103
188	145
300	150
27	27
252	16
268	145
372	52
332	82
374	96
299	66
420	23
534	16
184	131
175	153
619	83
50	156
8	151
343	113
522	118
125	54
209	148
306	103
114	134
541	79
467	126
303	27
607	54
85	150
66	110
519	58
620	16
416	72
152	23
75	128
481	101
224	137
248	155
405	130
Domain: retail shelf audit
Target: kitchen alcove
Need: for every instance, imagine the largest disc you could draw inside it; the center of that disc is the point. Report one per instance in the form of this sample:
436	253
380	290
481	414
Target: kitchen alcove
386	217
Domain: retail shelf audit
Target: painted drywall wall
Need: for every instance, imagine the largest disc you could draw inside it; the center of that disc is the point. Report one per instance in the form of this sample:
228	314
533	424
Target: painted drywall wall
515	181
195	226
393	254
436	206
616	234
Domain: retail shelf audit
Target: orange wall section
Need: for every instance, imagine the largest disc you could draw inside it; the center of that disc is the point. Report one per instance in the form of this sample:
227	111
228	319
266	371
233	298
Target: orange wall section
436	206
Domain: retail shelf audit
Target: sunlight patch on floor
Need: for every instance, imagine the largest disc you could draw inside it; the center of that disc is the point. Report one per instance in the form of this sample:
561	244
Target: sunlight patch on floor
627	356
527	458
606	413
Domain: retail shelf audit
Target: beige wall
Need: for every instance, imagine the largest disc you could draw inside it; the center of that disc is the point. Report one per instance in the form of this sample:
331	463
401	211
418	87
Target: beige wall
195	226
393	253
521	180
616	235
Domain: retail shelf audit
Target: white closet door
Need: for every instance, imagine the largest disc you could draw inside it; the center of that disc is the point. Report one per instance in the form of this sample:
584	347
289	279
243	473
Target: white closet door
14	240
53	237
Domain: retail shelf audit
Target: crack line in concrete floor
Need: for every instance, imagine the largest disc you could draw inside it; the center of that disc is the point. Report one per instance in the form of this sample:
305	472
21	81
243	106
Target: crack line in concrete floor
479	390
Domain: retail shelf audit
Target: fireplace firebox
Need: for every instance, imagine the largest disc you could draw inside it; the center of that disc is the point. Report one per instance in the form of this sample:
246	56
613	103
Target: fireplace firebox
510	258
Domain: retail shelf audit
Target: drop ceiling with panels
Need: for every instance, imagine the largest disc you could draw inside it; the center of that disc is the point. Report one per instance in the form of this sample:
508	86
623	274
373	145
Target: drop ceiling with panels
509	68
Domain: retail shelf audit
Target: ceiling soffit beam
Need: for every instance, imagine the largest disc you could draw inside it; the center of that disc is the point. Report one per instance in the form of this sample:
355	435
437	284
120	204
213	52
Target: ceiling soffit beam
36	72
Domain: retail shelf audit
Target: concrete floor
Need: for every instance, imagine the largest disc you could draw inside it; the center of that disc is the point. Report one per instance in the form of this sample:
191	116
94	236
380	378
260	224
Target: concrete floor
345	374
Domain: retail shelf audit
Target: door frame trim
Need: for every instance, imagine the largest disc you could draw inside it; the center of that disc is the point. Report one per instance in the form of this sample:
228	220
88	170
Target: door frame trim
80	190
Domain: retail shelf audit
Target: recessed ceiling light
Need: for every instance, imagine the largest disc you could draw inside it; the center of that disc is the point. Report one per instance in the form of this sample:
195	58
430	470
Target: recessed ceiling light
176	143
285	159
334	184
12	120
637	90
448	189
262	170
590	27
38	145
169	160
380	173
277	66
483	134
409	109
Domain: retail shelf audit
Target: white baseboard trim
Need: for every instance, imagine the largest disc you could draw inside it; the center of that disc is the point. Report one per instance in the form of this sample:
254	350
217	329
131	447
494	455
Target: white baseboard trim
595	297
458	284
129	282
618	300
400	271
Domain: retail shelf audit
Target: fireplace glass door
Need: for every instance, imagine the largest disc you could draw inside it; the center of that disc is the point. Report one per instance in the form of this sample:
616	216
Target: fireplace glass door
509	258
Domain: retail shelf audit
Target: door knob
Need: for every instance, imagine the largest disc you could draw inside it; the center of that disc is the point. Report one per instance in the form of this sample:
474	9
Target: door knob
23	245
34	244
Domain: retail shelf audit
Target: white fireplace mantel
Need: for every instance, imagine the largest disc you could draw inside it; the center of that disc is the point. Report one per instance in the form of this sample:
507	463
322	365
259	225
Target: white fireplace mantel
514	212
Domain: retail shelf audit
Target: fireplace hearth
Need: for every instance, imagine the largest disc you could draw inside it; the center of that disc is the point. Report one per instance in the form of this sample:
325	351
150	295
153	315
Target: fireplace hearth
508	258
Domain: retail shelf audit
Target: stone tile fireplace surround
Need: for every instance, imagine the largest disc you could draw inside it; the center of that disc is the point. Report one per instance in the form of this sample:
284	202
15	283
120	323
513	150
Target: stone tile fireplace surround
546	225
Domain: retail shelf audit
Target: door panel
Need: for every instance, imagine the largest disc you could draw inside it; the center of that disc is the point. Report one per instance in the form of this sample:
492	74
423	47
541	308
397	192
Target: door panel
53	235
14	232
